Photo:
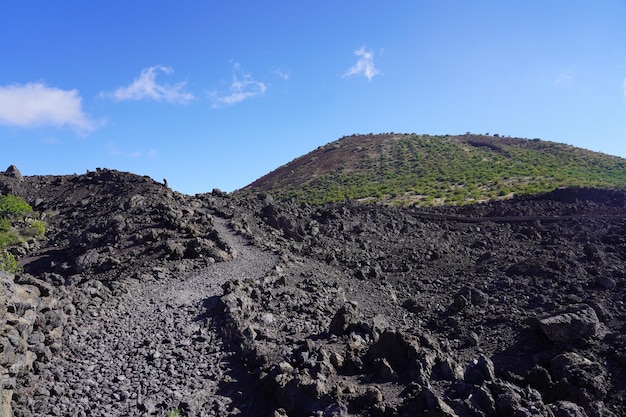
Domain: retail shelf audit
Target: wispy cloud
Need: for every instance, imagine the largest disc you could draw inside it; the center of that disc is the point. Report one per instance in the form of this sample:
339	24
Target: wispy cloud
281	74
36	104
145	87
51	141
243	87
564	78
624	87
115	151
364	65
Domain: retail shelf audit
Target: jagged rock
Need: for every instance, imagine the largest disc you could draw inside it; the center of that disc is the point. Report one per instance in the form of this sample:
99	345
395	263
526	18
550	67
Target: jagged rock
578	379
45	288
23	364
346	316
174	250
539	378
449	369
336	410
13	172
567	409
480	370
337	360
396	353
88	260
383	369
424	401
580	322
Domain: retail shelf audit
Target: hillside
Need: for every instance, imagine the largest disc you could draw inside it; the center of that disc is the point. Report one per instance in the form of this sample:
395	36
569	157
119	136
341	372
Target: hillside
410	169
140	301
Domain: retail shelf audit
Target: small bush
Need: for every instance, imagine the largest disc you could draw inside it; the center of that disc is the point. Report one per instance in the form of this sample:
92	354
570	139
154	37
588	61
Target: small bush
11	205
16	224
5	225
37	228
9	238
9	264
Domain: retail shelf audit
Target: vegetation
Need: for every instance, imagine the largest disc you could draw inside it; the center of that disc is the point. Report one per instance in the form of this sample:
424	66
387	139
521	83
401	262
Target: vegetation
13	206
8	263
17	223
427	170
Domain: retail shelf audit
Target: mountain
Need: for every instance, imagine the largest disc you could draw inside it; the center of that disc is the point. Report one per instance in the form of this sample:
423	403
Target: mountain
410	169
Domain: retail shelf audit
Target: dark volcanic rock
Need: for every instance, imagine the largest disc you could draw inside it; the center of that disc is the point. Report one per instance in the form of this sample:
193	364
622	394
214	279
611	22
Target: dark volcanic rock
13	172
346	317
108	223
510	308
470	309
580	322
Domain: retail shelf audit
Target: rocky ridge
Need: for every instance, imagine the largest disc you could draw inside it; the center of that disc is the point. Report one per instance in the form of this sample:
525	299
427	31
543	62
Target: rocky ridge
108	233
512	308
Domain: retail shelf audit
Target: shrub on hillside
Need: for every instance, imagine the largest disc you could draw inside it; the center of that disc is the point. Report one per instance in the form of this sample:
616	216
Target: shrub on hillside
16	224
8	263
11	205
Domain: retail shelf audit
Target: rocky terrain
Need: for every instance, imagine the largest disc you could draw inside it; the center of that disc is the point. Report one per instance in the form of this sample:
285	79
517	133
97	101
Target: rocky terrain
142	301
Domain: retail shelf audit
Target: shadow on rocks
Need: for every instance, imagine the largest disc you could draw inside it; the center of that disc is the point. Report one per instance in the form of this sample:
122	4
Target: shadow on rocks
238	383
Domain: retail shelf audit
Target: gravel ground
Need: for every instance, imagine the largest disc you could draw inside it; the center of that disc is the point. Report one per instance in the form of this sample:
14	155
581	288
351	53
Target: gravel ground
151	351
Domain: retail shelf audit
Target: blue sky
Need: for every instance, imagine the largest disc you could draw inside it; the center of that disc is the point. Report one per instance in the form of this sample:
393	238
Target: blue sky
214	94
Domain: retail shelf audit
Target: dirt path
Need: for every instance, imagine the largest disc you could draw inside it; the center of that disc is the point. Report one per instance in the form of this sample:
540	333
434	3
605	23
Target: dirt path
150	351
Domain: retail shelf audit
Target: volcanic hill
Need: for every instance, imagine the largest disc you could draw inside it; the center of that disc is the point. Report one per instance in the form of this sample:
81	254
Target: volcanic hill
410	169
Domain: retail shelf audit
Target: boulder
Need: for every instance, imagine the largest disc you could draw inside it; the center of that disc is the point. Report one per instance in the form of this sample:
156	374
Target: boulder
397	353
480	370
87	260
174	250
345	317
13	172
578	379
580	322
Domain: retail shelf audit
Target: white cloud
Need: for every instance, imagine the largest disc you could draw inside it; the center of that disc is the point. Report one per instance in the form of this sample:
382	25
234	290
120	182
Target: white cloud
281	74
146	87
364	65
36	104
564	78
242	88
51	141
115	151
624	87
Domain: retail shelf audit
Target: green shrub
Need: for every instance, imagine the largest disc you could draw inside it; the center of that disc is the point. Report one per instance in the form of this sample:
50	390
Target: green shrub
8	263
9	238
16	224
11	205
5	225
37	228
